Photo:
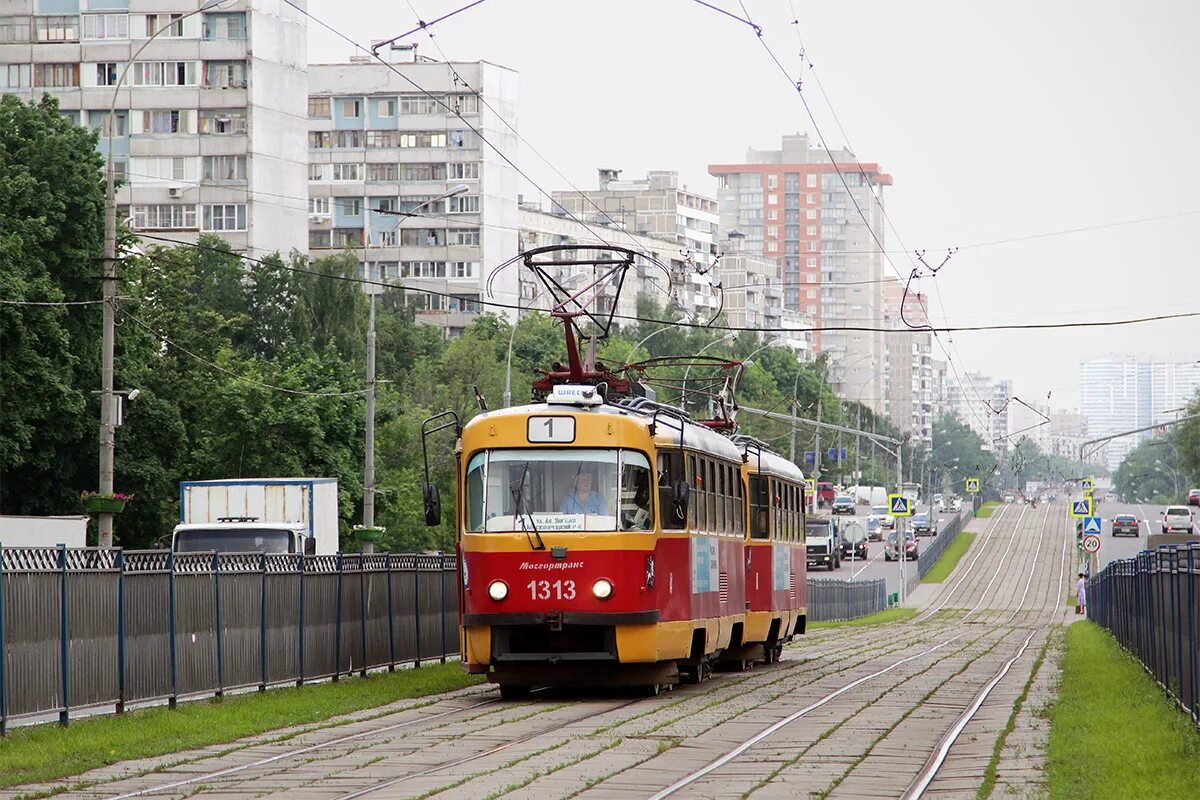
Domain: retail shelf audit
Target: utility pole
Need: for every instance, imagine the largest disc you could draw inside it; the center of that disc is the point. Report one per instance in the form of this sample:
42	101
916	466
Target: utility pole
368	545
817	454
108	340
858	448
792	449
901	525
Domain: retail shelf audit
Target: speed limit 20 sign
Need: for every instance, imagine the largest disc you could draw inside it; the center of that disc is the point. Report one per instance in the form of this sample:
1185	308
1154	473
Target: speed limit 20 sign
1091	544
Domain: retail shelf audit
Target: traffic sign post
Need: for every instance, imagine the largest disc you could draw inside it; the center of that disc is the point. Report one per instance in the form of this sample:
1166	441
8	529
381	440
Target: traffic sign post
899	505
973	485
1081	509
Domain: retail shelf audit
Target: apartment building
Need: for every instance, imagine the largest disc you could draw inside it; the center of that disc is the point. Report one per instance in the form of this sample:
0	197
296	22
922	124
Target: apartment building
799	205
909	376
659	207
207	124
385	141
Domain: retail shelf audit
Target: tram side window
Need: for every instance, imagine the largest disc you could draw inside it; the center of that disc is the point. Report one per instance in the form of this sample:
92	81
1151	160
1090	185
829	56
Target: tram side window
789	512
802	528
475	474
739	502
711	495
760	507
671	471
722	488
635	510
696	506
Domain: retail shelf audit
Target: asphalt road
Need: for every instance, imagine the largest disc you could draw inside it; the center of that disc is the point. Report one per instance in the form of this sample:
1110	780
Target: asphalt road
1112	547
875	566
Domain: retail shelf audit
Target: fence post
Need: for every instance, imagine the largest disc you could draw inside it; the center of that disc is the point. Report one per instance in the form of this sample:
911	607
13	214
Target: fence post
442	599
1177	618
64	716
337	623
391	620
3	685
417	607
362	612
300	631
171	629
216	566
120	564
1191	583
262	623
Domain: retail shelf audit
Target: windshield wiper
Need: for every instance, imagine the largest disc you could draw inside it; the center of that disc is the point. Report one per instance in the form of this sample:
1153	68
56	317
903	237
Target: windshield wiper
518	497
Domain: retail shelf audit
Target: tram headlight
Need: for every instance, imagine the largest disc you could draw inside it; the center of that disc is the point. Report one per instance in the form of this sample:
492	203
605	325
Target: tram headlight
497	590
602	589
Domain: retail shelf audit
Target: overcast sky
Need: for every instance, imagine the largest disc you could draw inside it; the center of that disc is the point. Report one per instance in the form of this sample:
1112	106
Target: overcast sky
996	121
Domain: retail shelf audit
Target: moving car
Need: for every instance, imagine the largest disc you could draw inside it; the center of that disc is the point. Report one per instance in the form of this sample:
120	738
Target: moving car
819	544
956	504
853	543
890	552
1125	525
1008	498
1194	497
1177	519
940	501
921	525
842	504
881	519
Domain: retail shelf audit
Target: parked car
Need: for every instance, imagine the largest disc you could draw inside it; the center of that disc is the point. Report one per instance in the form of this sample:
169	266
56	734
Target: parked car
1125	525
842	504
1177	519
890	552
921	525
1194	497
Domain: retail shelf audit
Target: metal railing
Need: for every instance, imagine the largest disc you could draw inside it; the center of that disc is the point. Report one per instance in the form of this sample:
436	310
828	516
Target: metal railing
1149	604
831	599
94	627
946	536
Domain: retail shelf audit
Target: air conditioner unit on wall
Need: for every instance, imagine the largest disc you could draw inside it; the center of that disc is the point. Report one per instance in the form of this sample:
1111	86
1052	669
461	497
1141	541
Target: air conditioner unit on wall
175	191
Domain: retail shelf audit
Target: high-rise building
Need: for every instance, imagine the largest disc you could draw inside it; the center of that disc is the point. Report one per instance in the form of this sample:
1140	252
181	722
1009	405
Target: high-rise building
908	396
379	147
1122	393
982	403
656	206
207	125
797	204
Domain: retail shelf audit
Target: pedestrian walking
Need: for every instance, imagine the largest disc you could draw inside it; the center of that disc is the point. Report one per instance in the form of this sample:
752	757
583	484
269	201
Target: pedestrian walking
1081	595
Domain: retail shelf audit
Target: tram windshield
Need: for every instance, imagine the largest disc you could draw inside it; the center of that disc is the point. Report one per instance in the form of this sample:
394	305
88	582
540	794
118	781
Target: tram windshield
558	490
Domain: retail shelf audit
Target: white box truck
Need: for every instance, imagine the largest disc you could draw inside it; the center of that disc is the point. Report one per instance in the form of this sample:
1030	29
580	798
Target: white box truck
43	531
252	515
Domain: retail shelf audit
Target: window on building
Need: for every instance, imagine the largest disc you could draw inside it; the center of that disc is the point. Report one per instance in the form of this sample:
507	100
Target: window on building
810	230
421	104
813	246
347	172
464	236
221	121
810	213
772	181
463	204
387	107
351	109
318	172
422	139
318	106
56	28
170	24
422	269
318	240
462	138
772	247
225	26
463	171
162	169
225	74
465	103
318	206
15	29
164	73
164	216
353	140
106	74
810	199
382	172
811	261
165	121
320	140
350	206
810	180
772	215
772	230
385	238
100	121
106	26
422	172
55	75
772	199
423	237
225	217
224	168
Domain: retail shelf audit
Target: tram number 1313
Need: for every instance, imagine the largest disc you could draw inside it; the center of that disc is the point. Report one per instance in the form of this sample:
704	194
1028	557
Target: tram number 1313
543	590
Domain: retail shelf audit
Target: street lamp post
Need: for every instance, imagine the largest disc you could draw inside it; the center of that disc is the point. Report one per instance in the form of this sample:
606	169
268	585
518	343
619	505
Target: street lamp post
108	422
368	544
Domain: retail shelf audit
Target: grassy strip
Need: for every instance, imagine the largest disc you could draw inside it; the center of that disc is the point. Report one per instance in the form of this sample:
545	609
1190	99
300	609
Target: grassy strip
989	776
878	618
949	558
1112	733
986	510
44	753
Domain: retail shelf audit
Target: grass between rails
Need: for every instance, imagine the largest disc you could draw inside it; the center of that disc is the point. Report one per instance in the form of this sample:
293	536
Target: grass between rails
878	618
47	752
986	510
1113	732
949	559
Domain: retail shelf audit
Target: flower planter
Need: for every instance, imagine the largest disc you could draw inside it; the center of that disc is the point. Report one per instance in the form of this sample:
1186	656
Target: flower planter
104	505
368	534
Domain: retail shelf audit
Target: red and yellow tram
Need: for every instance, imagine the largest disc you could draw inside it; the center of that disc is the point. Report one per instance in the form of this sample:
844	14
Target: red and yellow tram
621	543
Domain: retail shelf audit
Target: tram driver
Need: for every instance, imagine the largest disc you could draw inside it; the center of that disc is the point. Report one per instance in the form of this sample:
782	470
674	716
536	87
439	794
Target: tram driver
583	500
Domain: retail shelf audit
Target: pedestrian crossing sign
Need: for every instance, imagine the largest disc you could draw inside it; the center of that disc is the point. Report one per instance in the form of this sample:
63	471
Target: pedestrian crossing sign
973	485
1087	484
1091	525
810	485
899	505
1081	509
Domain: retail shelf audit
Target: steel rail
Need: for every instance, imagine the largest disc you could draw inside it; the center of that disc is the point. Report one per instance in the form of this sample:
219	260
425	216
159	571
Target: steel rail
995	520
